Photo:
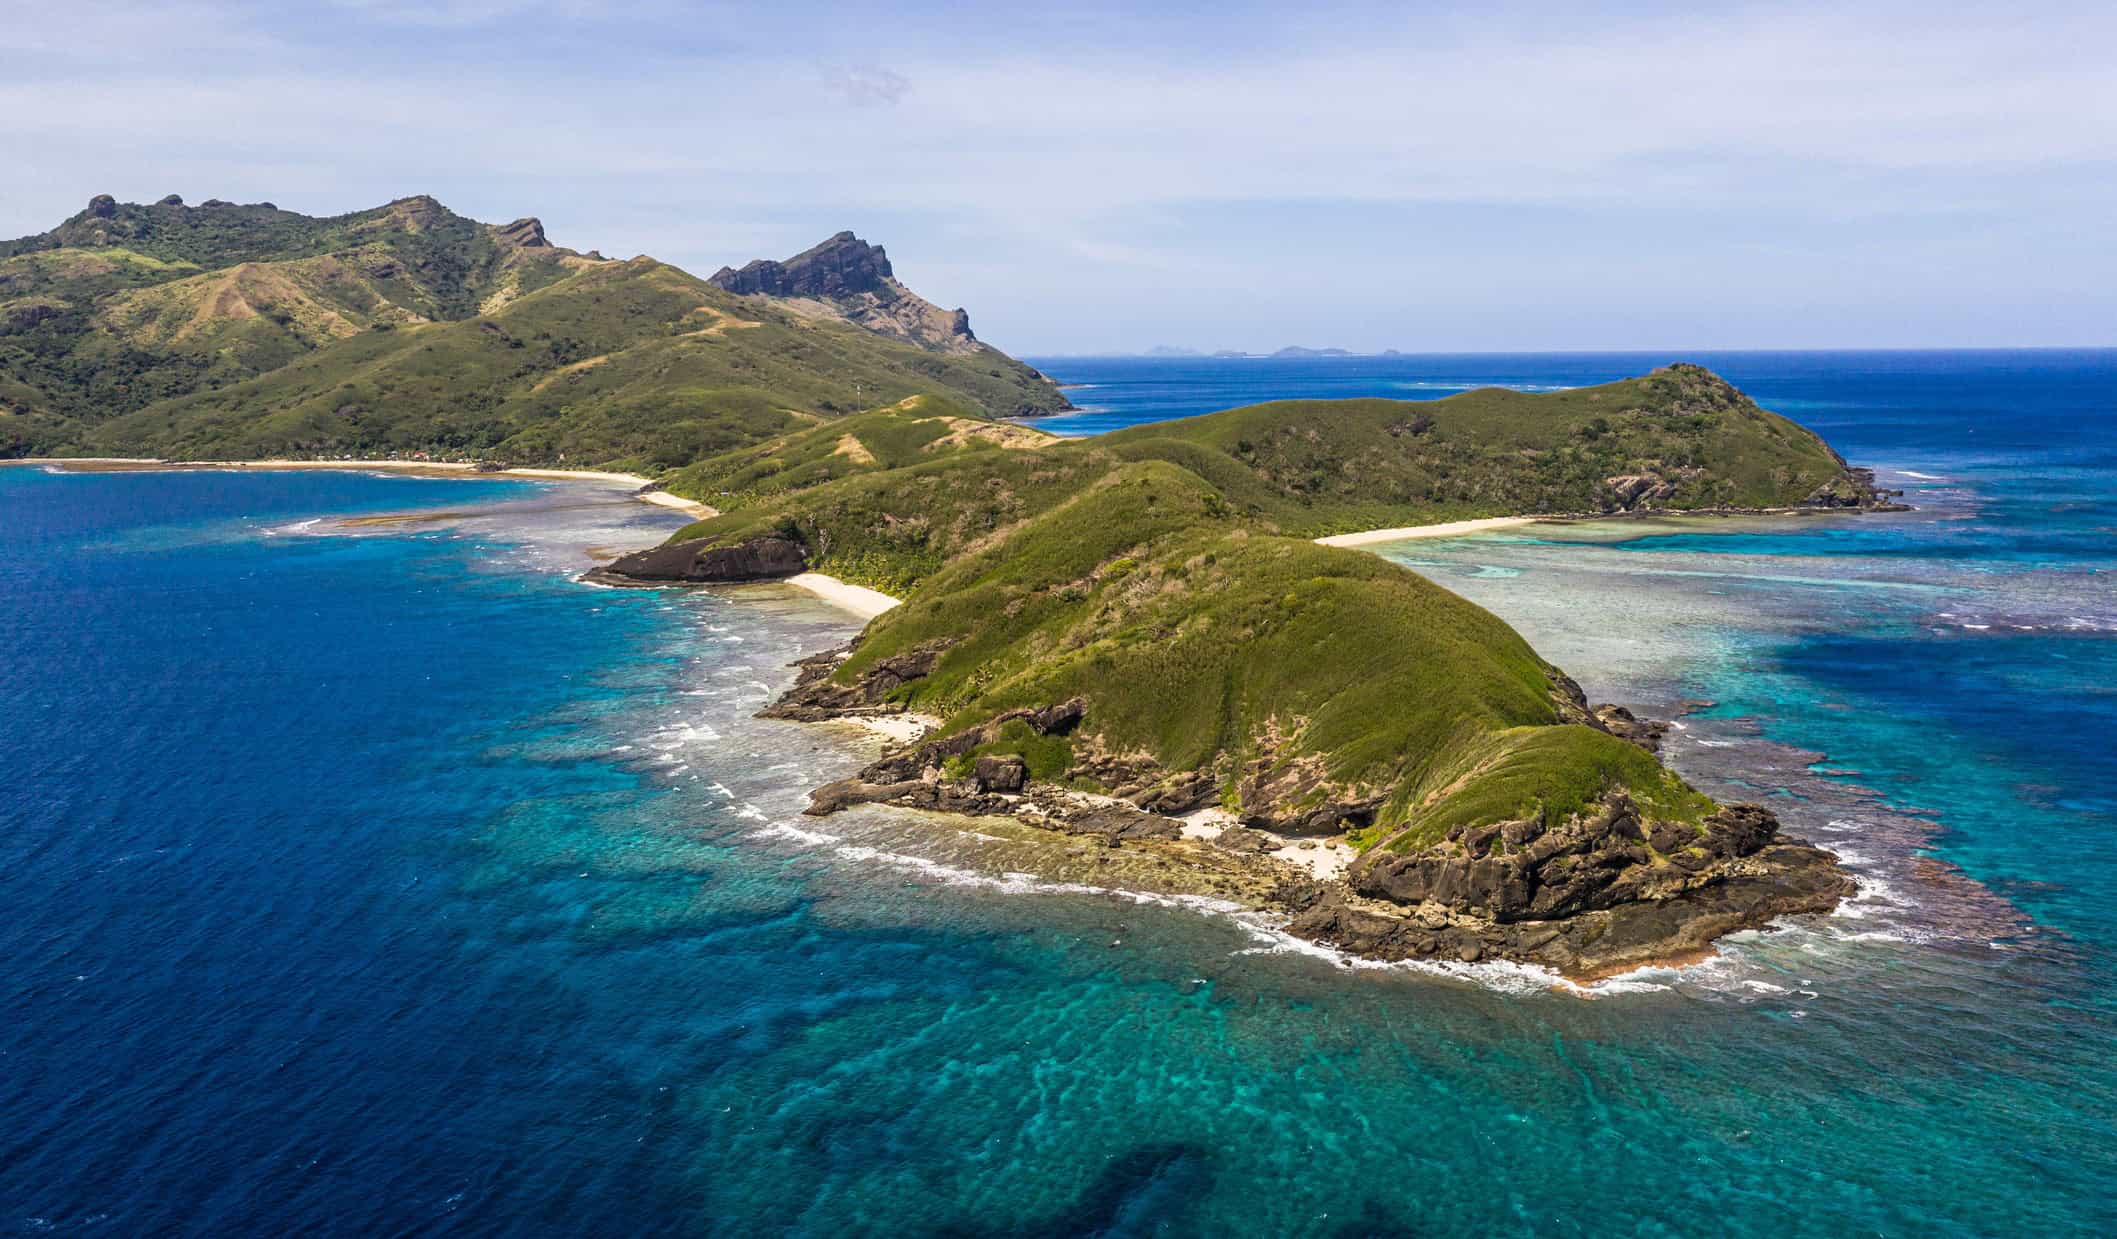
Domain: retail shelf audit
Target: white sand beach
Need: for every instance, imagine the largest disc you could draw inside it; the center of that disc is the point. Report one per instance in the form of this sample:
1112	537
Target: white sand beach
860	600
690	507
1446	529
900	728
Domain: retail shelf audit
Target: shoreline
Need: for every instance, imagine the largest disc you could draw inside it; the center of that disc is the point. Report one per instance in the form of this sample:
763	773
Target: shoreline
428	468
1486	524
1320	861
860	600
869	603
1444	529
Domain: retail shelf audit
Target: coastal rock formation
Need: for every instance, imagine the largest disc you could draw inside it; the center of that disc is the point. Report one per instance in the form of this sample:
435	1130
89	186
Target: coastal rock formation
815	696
1672	923
1622	723
758	559
1605	888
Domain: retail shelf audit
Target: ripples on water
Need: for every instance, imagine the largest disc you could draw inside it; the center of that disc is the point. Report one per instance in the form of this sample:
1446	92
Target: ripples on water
396	882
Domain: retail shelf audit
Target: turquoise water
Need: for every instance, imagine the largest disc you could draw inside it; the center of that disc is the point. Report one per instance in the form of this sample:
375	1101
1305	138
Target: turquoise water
398	883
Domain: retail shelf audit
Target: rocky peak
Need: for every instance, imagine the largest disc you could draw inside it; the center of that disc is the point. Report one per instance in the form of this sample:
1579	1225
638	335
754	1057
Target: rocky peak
418	212
173	200
842	266
524	233
103	206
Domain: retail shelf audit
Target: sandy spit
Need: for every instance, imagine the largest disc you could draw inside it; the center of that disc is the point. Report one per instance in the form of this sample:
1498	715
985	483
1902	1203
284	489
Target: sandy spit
661	498
1446	529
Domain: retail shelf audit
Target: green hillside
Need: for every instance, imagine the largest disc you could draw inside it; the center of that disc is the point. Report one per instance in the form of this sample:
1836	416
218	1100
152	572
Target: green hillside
1147	578
1680	439
231	331
1331	466
1294	673
634	363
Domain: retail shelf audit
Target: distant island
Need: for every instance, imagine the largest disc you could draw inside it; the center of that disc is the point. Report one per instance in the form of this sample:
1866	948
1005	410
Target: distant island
1136	639
1290	352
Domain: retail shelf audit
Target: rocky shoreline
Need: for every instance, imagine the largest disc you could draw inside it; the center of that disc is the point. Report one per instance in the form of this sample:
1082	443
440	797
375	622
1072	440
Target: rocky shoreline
1602	892
773	557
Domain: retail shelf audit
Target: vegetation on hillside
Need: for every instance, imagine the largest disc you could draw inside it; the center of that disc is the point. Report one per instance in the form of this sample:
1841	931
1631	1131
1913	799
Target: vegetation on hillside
1148	574
1679	439
1294	673
231	331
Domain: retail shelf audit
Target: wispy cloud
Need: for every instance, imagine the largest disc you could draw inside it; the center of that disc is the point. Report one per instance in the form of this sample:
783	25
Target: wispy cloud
1170	145
867	86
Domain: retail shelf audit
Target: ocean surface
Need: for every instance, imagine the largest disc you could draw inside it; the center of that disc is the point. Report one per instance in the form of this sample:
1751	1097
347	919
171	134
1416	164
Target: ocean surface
381	878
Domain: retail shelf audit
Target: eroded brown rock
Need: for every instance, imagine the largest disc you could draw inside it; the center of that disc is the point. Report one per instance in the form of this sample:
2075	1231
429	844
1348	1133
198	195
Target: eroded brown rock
758	559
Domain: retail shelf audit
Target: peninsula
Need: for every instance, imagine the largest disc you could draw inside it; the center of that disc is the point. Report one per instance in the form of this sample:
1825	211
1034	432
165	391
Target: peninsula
1157	638
1134	637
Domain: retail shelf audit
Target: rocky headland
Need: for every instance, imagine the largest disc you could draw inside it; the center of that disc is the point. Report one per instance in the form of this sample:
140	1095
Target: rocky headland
1603	890
1148	640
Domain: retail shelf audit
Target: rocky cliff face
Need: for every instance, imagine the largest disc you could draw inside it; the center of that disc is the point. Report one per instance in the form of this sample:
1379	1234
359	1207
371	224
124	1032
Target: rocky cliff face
759	559
848	279
1599	891
842	266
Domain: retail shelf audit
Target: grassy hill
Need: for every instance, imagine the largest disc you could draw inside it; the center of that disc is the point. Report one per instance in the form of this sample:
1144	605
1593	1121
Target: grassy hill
229	331
1296	674
1331	466
1681	439
1148	578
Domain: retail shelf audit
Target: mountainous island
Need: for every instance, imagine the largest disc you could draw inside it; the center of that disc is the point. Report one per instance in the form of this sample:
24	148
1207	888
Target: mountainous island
232	331
1132	638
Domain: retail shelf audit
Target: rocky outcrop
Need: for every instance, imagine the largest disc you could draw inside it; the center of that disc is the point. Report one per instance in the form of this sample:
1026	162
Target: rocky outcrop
1622	723
1781	880
845	279
1606	889
816	696
848	279
1631	491
103	206
1602	890
698	562
841	266
524	233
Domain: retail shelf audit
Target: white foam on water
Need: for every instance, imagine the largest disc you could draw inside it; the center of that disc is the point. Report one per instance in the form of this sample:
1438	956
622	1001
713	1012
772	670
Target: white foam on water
782	830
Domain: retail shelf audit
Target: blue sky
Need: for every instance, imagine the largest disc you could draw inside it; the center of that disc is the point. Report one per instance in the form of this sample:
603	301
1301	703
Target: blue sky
1089	178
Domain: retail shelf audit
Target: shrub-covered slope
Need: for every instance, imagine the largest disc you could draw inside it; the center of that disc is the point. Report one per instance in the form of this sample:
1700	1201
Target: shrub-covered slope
1125	616
227	331
1680	439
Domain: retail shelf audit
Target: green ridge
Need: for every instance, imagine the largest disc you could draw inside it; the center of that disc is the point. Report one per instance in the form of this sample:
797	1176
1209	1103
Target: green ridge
236	331
1149	572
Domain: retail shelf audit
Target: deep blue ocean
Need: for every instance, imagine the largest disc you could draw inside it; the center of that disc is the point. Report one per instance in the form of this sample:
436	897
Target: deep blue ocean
384	879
